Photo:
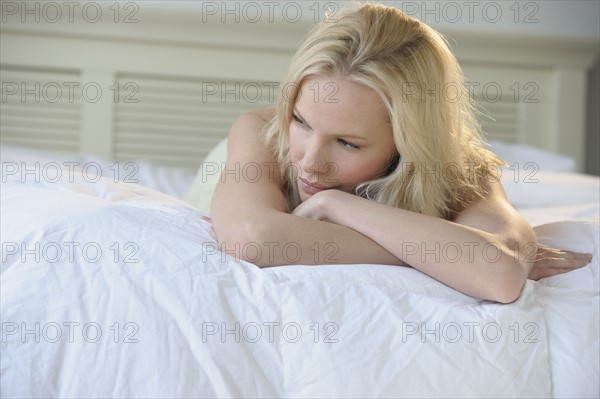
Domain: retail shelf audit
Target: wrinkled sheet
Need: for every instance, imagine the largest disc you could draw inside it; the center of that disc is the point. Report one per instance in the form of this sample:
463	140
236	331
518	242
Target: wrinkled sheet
115	290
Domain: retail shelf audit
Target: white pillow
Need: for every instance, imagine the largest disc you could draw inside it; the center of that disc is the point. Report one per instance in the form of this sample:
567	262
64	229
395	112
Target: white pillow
522	156
549	188
170	180
537	177
209	173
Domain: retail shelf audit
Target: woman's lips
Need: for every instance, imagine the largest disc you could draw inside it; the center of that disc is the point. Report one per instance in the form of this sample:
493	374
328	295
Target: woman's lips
311	188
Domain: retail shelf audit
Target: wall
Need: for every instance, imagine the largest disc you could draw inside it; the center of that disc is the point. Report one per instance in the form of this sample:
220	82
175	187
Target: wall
552	20
593	123
557	40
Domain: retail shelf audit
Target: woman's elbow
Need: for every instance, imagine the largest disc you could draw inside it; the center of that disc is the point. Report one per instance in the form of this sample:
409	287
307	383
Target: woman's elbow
509	293
244	241
509	287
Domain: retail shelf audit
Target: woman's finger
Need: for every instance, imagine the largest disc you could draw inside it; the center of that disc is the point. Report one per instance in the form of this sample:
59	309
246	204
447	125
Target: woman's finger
561	263
546	251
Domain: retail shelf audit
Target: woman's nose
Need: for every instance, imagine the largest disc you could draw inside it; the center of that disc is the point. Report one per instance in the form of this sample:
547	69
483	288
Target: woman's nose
314	160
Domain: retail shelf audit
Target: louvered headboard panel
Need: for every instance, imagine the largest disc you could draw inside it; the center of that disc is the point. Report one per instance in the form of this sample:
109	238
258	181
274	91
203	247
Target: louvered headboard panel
176	120
512	101
172	86
501	120
38	109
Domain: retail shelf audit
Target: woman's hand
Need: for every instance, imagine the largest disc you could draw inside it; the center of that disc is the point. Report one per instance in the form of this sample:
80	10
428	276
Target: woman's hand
317	205
551	261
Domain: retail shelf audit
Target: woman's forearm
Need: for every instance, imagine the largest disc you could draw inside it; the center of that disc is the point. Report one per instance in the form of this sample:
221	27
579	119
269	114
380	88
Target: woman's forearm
469	260
280	239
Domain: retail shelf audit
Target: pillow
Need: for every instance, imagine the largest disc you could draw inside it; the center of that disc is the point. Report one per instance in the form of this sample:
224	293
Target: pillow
521	156
537	177
549	188
200	193
170	180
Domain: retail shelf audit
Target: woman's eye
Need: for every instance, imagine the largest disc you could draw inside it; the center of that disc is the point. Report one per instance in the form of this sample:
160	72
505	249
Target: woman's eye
298	120
347	144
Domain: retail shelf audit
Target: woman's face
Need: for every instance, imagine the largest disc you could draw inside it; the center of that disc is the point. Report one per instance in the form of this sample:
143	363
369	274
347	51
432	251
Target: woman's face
340	135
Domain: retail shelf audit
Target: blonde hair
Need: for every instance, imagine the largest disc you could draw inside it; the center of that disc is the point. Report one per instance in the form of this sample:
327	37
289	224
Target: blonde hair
442	165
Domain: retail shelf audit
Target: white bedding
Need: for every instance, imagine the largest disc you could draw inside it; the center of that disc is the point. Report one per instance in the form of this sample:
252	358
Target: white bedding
137	319
172	181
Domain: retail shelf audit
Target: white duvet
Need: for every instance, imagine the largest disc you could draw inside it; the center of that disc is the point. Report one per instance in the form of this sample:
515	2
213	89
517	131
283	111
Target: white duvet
115	290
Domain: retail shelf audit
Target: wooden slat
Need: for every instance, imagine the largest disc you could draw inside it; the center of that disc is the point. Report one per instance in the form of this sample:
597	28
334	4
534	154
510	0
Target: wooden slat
45	110
501	118
174	120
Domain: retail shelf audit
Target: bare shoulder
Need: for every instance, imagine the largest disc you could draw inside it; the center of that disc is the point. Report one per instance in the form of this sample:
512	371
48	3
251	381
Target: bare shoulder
245	140
494	214
266	114
250	182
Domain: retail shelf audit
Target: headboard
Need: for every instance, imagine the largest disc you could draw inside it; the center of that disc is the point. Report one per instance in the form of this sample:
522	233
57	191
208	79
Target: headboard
167	87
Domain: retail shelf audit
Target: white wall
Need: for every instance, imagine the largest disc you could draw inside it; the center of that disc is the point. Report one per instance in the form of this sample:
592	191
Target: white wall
573	19
576	19
558	39
593	123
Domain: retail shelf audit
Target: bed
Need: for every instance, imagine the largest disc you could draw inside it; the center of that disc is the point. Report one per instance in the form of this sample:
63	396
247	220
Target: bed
113	284
115	289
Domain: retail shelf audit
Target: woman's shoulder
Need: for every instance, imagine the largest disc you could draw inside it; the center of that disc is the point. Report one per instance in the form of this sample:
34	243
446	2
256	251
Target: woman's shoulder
266	114
246	138
482	212
250	122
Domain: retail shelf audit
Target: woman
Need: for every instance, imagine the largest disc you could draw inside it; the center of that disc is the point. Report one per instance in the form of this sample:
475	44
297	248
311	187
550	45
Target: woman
361	163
